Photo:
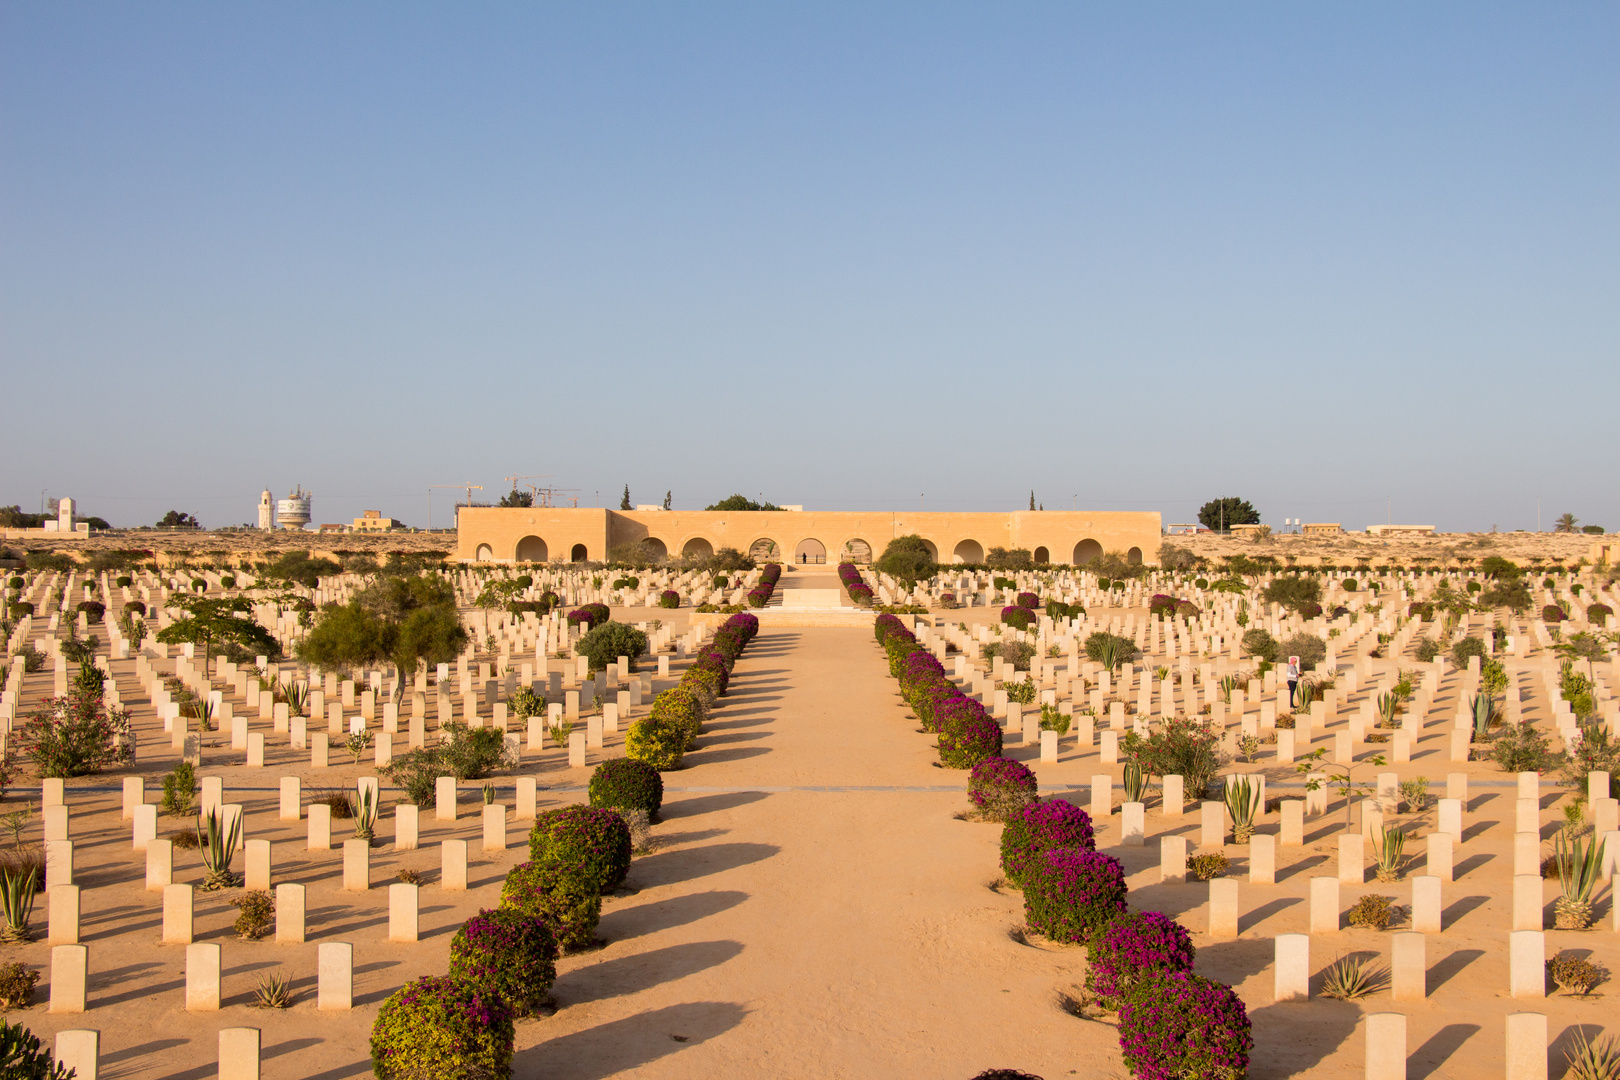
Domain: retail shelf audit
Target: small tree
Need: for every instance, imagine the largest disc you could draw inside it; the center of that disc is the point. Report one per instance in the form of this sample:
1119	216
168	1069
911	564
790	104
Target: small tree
1566	523
516	498
209	621
624	500
174	519
908	558
1219	515
1339	776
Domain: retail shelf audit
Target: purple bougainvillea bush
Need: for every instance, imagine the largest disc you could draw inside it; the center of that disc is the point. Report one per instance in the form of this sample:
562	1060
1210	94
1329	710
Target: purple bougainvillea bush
508	953
1178	1025
587	841
1070	893
1000	787
967	737
1037	829
1131	948
441	1027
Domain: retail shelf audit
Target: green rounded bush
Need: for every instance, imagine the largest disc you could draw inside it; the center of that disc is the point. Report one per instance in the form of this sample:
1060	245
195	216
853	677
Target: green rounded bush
567	903
585	840
683	708
17	609
627	784
658	743
507	953
1598	612
124	581
606	643
706	682
439	1027
1465	648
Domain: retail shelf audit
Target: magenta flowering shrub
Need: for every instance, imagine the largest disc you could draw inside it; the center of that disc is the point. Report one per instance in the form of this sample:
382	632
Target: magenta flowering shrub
1161	606
884	625
506	953
927	701
1069	893
745	624
1020	618
1131	948
441	1027
967	739
592	615
1596	613
590	842
1027	600
1188	610
855	585
1310	609
1000	787
947	600
1037	829
760	594
669	598
861	594
1179	1025
1552	613
771	574
917	670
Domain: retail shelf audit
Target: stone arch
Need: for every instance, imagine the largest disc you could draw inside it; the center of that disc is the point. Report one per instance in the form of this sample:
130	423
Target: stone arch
764	550
697	547
856	550
810	550
933	548
1042	556
531	549
578	554
969	551
1135	556
1086	550
655	548
485	553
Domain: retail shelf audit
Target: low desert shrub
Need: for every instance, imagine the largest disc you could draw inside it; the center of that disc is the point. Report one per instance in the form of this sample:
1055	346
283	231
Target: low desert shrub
508	954
568	904
1373	912
17	983
587	841
258	914
1000	787
1131	947
1574	974
1465	648
1211	864
1038	828
669	598
627	784
440	1027
1069	893
1310	649
1552	613
608	641
591	615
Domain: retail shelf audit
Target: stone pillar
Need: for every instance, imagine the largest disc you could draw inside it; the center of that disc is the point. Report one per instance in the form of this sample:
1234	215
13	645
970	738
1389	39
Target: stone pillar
1409	966
335	976
1132	824
1174	796
1262	859
1352	858
202	977
258	864
70	973
527	799
80	1051
1439	860
1527	816
1526	854
320	827
402	911
1223	909
453	865
1386	1046
1526	1046
145	827
444	798
1449	815
289	913
1527	959
291	805
407	827
1324	905
1172	859
494	827
1212	824
1527	902
357	865
62	915
576	749
1102	797
1426	904
177	915
1292	964
159	865
59	862
134	795
239	1053
1293	823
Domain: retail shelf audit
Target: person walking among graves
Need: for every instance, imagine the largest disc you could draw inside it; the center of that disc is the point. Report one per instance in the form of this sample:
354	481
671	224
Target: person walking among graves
1292	672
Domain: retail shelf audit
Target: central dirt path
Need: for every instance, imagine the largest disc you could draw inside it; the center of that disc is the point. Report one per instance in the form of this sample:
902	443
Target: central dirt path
798	930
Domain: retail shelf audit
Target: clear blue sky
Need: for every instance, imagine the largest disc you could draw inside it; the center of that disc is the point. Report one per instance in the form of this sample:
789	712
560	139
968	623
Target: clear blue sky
1130	255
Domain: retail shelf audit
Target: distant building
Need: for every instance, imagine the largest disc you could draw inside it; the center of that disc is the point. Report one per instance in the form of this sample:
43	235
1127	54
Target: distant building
267	511
1400	530
373	521
1321	528
294	511
333	527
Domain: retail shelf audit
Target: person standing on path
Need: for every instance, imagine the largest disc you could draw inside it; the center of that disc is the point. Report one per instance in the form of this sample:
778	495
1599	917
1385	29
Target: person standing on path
1292	672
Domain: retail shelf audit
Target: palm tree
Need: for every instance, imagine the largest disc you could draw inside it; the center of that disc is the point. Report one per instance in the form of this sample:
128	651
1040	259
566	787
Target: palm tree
1565	524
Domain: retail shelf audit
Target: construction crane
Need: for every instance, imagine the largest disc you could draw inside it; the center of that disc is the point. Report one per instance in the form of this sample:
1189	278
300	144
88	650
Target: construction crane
512	480
546	497
469	487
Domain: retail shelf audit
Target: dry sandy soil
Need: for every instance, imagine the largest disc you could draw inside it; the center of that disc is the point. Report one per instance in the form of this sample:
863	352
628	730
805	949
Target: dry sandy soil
813	908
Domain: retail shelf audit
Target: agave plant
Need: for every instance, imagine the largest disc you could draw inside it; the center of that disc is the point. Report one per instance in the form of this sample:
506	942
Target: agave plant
1227	684
1135	782
365	814
218	846
1391	854
1593	1060
297	698
202	710
1351	977
1111	653
1304	694
1483	709
1389	706
274	992
18	887
1243	802
1578	863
